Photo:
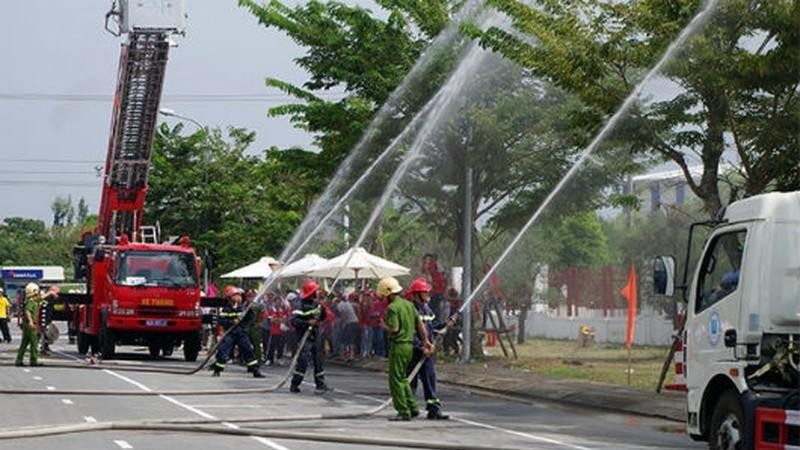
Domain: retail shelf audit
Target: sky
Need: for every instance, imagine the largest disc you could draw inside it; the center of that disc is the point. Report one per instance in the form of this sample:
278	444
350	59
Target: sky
50	148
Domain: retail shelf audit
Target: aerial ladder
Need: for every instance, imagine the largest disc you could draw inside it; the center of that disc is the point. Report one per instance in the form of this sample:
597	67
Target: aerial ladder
138	291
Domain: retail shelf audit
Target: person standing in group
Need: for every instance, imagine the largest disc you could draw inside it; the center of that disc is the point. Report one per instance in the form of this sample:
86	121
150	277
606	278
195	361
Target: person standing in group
30	326
375	311
277	315
401	322
308	316
419	293
232	322
349	319
438	281
5	310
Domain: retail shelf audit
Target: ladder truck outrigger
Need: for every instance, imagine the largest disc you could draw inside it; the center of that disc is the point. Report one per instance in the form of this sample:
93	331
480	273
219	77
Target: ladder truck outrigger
138	291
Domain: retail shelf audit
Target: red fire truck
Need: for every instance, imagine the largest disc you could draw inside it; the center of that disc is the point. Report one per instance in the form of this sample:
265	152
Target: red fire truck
138	291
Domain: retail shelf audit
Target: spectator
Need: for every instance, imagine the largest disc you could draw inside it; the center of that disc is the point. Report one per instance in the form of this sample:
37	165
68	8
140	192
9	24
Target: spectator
349	322
5	310
375	314
436	276
278	313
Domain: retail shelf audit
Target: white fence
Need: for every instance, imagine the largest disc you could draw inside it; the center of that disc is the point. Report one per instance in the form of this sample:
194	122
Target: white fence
650	330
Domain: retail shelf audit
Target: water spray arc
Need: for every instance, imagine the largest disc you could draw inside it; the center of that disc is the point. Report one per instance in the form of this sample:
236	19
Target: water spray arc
697	22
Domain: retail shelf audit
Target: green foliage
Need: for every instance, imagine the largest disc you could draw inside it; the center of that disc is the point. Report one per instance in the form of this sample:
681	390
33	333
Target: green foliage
237	206
28	242
739	78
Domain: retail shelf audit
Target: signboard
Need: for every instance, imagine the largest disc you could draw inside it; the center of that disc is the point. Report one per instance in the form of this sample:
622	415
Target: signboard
22	274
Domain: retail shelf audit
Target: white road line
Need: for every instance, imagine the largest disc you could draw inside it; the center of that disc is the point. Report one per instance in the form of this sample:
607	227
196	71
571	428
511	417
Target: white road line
26	370
50	388
89	419
123	444
199	412
67	401
490	427
37	378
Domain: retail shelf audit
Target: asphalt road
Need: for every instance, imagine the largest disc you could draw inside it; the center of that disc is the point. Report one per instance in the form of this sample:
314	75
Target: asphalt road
495	422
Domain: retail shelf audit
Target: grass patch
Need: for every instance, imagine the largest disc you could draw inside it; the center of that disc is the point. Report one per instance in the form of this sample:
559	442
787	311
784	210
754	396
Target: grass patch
603	363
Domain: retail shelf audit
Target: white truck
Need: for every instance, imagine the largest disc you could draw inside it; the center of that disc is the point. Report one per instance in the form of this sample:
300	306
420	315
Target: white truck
740	346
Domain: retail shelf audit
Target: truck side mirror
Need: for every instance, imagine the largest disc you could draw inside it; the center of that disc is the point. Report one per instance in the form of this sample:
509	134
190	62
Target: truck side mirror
664	275
730	338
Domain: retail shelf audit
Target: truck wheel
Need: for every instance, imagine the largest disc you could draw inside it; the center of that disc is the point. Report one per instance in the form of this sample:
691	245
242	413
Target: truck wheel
83	343
106	341
191	347
167	349
155	350
727	423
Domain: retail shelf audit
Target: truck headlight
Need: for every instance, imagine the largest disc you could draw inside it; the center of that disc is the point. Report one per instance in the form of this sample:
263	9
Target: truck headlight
116	310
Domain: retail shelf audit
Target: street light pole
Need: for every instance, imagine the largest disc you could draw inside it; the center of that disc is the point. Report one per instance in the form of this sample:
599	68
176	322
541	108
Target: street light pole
466	289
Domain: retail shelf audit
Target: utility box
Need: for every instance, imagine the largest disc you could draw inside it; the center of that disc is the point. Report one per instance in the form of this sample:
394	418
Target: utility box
152	15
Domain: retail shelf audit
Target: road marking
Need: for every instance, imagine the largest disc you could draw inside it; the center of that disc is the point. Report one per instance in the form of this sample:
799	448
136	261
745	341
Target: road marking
26	370
123	444
229	406
489	427
67	401
51	388
37	378
89	419
201	413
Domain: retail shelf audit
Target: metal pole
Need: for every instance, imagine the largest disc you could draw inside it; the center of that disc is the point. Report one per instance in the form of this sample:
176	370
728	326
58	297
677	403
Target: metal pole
466	289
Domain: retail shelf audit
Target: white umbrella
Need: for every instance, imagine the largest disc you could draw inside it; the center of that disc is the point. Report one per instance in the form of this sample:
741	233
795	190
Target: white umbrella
301	267
260	269
356	264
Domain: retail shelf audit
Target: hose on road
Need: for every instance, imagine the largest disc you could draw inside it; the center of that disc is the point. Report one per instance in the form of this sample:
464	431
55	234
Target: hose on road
316	436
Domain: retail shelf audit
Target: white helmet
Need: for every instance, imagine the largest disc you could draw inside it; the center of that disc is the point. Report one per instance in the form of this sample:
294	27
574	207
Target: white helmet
32	289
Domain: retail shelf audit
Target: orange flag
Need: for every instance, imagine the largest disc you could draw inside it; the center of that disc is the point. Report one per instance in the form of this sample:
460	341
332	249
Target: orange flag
630	294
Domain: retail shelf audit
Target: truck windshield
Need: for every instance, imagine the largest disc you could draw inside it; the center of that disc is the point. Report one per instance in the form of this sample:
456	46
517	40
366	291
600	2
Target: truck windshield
169	269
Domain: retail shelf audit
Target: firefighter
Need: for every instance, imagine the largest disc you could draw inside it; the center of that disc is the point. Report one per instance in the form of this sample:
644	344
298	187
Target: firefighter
419	293
231	320
30	318
401	321
309	315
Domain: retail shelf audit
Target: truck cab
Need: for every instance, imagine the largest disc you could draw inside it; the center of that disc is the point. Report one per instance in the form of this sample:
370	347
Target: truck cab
143	294
741	342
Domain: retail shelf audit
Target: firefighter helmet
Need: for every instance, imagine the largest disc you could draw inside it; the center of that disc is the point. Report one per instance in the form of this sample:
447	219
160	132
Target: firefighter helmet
51	333
309	288
32	290
230	290
420	285
387	286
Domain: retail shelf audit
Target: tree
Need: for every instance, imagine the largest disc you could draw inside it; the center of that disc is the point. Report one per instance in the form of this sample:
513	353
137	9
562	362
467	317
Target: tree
63	212
205	186
365	58
739	78
83	211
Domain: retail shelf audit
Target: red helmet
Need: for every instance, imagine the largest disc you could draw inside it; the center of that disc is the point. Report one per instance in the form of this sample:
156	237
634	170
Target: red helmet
309	288
230	290
419	285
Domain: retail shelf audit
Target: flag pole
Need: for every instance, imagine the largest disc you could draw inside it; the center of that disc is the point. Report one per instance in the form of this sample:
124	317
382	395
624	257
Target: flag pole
630	369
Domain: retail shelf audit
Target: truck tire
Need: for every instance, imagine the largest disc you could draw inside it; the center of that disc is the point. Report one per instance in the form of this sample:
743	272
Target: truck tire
726	431
168	349
154	350
84	340
106	341
191	347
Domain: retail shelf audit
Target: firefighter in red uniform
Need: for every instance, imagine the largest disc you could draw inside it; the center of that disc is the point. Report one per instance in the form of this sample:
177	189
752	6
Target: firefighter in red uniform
232	321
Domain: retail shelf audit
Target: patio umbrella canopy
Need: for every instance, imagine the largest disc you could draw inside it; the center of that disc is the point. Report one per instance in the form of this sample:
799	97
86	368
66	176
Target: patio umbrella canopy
301	267
260	269
357	264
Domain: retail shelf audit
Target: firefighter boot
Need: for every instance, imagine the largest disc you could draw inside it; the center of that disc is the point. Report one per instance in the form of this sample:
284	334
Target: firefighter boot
257	373
294	389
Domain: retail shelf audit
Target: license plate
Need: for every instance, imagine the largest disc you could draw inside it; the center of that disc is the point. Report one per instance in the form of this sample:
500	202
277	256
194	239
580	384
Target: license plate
155	323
